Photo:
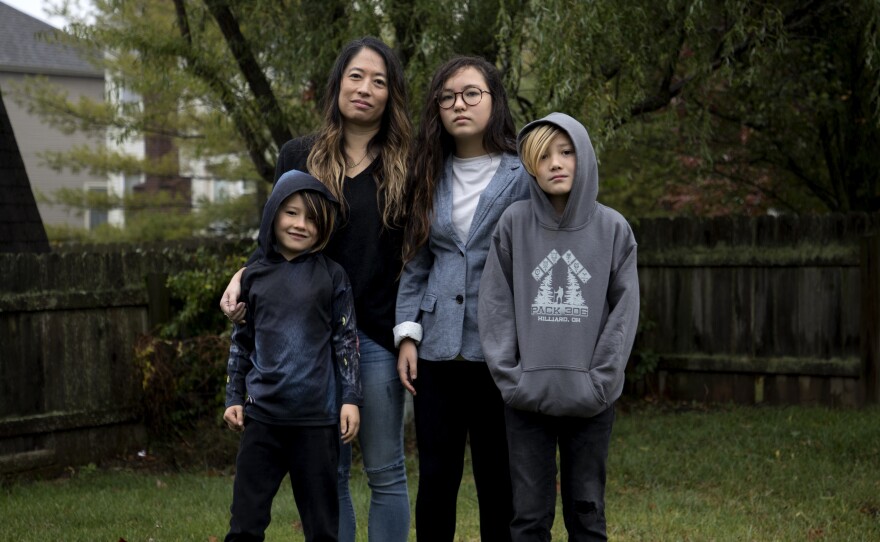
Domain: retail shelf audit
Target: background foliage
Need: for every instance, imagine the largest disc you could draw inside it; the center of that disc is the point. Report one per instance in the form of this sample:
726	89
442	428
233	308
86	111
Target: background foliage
154	217
184	364
701	107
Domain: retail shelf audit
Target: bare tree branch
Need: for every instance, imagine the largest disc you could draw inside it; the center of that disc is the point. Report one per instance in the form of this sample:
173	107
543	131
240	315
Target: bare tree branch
253	140
251	70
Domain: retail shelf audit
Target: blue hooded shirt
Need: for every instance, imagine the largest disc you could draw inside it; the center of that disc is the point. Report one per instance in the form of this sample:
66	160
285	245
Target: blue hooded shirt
295	360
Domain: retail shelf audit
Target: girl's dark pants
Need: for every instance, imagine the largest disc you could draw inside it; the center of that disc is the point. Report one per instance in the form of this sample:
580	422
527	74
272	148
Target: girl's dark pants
456	400
583	453
267	453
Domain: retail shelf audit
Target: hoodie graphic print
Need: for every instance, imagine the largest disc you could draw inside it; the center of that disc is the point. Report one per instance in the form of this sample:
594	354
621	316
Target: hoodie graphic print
295	360
559	296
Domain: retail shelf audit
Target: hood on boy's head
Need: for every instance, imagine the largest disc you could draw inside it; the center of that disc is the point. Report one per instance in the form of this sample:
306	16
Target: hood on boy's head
585	186
291	182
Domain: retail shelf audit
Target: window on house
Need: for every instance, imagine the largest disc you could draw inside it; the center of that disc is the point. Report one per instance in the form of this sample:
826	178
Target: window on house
96	217
131	181
128	96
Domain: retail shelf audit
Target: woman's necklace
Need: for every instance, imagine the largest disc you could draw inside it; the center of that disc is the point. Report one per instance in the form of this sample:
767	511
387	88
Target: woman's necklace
356	164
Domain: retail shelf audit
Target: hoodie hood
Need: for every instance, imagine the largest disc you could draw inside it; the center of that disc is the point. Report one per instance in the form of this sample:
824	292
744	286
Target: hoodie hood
585	186
288	184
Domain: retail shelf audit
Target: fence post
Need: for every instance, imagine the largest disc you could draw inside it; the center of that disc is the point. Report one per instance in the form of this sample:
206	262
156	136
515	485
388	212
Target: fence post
159	299
870	332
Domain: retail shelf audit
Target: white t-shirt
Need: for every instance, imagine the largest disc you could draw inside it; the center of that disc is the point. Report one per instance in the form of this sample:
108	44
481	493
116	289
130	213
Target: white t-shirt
470	176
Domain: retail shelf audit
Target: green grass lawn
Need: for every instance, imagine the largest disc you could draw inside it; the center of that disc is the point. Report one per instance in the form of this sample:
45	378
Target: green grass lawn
725	473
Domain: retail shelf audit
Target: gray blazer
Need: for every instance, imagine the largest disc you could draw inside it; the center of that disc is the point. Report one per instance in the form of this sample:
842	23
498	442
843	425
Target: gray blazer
437	296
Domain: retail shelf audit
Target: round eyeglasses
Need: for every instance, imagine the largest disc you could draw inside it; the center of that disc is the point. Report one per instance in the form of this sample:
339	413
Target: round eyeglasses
471	96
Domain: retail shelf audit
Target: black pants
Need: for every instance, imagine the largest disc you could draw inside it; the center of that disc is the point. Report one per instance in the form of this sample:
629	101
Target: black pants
583	454
456	400
265	455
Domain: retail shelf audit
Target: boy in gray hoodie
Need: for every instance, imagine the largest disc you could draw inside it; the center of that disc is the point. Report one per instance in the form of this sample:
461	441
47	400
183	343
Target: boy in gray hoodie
558	310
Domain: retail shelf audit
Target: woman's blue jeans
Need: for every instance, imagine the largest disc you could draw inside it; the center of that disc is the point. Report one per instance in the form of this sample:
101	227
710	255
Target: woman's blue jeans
381	441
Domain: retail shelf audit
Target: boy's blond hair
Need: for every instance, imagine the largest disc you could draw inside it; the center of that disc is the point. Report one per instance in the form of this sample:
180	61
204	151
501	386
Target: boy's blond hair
534	145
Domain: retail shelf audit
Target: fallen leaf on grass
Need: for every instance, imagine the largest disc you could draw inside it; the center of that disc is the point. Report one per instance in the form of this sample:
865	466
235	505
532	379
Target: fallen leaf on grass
870	509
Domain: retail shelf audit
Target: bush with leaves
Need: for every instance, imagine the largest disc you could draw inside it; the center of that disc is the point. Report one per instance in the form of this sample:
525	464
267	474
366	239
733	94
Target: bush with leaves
643	362
184	363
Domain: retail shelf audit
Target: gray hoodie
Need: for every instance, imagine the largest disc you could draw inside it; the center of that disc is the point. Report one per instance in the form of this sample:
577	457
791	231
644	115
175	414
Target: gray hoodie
559	296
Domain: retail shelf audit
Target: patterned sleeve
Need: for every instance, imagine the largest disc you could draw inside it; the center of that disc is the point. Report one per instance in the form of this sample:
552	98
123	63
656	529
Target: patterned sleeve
345	341
239	363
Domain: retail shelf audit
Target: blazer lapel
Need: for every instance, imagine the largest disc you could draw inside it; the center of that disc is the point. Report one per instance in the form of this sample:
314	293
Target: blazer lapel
443	204
504	175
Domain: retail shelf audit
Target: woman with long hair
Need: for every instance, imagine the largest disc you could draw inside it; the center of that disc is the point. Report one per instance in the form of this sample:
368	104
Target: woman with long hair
463	177
360	152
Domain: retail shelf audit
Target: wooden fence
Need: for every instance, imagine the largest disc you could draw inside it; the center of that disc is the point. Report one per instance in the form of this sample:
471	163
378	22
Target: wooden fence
773	310
768	310
70	392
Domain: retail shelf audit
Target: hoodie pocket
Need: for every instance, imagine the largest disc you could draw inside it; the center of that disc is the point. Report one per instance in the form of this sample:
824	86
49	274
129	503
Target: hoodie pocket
558	391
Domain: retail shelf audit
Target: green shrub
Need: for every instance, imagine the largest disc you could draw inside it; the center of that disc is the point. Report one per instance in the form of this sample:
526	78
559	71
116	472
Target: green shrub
195	296
644	361
183	364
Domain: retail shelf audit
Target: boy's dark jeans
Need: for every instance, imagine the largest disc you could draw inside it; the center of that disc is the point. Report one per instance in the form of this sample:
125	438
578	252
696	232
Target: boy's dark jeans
267	453
583	452
455	400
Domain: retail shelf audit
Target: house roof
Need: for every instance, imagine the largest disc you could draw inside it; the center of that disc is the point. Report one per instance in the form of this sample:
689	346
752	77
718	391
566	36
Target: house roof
25	48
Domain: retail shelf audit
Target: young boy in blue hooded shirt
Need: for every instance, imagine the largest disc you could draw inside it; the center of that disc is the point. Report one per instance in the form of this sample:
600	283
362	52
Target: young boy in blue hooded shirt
293	382
558	311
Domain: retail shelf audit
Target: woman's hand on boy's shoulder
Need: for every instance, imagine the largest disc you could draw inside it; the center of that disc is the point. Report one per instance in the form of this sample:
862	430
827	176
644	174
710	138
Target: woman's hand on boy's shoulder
234	309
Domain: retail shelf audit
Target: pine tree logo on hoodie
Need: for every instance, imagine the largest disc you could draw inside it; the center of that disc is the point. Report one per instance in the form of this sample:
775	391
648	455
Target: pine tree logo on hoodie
563	303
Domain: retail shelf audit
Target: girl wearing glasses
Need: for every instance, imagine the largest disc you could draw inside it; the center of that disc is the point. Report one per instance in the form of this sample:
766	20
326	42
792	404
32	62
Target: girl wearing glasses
360	153
462	178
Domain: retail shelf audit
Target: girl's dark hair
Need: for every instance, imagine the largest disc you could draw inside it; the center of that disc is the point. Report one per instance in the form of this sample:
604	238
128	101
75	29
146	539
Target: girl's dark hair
326	160
435	144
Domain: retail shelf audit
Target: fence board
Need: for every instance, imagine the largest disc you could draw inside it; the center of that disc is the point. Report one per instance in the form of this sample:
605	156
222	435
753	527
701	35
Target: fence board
870	305
768	288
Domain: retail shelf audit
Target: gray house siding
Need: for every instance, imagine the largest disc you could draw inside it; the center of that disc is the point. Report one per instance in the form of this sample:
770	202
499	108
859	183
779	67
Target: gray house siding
21	229
35	137
24	53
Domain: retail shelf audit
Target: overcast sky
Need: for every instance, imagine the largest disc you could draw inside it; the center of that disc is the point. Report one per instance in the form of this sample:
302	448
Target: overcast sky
35	8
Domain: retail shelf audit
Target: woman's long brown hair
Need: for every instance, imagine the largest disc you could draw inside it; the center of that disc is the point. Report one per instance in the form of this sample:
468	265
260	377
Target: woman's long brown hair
327	161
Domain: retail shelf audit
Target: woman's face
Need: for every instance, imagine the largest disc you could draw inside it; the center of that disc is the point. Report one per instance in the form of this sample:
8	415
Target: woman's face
466	123
363	90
